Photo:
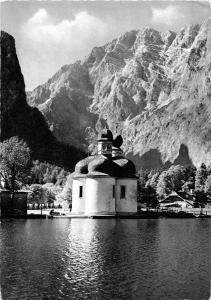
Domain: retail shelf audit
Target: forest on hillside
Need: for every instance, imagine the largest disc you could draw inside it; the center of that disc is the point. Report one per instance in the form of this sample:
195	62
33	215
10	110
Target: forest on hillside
49	183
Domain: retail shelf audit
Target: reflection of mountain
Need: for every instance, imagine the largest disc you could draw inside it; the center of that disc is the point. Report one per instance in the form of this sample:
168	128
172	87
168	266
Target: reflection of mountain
17	118
155	87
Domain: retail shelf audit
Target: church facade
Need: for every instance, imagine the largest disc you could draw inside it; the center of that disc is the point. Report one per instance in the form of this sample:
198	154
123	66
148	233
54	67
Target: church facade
105	183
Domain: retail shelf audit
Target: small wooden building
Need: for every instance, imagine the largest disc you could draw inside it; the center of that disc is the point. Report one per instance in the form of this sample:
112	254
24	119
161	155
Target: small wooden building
174	200
16	207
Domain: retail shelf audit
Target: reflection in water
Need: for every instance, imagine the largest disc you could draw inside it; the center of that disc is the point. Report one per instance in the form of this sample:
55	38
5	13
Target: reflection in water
105	259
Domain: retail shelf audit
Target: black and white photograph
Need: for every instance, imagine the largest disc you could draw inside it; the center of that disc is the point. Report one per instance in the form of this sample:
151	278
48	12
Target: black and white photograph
105	150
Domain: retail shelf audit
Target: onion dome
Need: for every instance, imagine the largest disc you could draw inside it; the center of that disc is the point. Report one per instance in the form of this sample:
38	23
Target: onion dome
82	166
106	135
104	166
117	142
128	168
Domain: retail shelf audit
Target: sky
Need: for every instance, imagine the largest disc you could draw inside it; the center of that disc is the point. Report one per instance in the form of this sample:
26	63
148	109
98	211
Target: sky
50	34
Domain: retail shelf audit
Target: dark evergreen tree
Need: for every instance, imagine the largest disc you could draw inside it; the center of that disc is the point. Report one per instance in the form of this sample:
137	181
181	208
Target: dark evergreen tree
200	199
200	178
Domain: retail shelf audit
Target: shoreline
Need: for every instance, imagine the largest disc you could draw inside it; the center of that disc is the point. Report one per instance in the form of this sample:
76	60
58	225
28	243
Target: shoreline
140	215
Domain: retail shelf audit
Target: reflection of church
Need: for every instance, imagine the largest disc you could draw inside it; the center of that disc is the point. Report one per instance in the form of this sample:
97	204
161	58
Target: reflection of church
105	183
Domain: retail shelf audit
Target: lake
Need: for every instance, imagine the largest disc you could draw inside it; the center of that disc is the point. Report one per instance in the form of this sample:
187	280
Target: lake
105	259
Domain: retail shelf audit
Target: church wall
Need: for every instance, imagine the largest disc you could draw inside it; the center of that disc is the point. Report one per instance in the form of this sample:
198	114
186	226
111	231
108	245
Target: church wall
78	203
129	203
99	195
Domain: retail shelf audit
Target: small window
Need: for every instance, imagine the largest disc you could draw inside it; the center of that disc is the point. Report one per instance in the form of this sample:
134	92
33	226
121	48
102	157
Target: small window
113	191
80	191
109	147
122	191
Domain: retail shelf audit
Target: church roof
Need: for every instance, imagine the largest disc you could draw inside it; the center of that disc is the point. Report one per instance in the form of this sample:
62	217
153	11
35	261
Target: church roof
108	162
100	165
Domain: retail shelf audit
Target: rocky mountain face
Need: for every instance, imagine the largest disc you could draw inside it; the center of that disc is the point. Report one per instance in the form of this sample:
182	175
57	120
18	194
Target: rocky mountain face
154	88
19	119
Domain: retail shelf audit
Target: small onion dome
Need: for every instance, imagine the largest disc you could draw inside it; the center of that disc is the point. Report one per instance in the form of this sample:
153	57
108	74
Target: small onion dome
106	135
82	166
104	165
118	141
127	167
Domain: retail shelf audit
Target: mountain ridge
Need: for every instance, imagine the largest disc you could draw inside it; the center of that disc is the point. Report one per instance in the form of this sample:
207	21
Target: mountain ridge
148	86
19	119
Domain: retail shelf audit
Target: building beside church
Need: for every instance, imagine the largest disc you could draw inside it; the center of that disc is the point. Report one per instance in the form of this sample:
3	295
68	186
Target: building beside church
105	183
9	207
175	201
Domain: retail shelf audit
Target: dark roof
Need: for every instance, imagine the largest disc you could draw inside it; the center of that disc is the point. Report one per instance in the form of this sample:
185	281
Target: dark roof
172	198
100	165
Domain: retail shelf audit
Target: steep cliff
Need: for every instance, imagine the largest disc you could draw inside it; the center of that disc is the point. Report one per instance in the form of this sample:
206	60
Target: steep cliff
152	87
19	119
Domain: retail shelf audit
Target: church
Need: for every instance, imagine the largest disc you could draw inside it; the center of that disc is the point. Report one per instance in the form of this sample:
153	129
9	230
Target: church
106	183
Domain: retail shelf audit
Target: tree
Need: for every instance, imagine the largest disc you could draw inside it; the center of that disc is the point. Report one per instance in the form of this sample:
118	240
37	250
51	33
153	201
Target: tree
54	175
15	163
171	180
142	179
164	185
207	187
149	197
43	172
209	170
188	186
62	177
47	176
51	191
177	177
37	195
201	176
200	199
153	181
65	197
190	173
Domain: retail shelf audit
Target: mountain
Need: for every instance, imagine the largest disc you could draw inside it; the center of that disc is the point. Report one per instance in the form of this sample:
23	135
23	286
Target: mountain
154	88
19	119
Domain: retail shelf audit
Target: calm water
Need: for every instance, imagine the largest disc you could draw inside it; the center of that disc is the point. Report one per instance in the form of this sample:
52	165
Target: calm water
105	259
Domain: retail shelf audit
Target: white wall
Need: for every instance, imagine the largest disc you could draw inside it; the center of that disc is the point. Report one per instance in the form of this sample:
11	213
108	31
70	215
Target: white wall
99	195
129	203
78	204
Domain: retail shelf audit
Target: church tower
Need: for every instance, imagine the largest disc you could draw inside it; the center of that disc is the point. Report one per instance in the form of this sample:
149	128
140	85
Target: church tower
105	143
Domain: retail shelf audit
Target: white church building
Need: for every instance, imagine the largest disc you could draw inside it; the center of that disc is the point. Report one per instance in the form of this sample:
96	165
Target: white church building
106	183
